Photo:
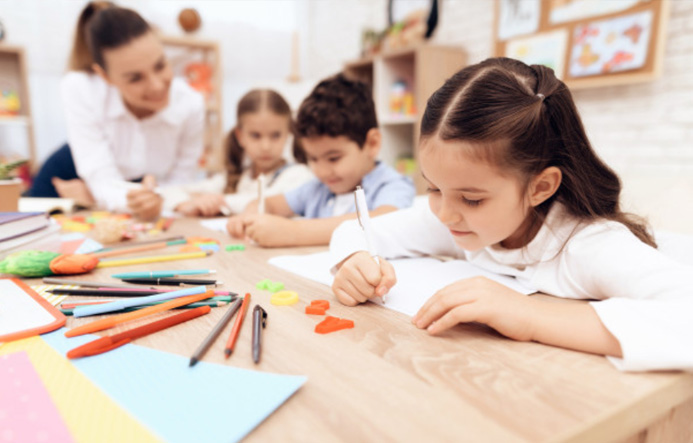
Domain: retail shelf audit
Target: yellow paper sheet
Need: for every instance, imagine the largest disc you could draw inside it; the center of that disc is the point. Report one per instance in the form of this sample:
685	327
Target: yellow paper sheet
89	414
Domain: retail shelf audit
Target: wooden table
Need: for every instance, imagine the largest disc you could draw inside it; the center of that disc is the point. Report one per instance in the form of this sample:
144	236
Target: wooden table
386	380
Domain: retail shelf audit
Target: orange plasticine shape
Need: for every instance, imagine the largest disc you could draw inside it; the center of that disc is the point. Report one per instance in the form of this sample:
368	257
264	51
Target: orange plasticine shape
316	310
320	304
73	264
332	324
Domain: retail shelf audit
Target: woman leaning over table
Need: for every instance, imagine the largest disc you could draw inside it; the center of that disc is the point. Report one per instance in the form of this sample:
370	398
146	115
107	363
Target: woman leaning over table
127	118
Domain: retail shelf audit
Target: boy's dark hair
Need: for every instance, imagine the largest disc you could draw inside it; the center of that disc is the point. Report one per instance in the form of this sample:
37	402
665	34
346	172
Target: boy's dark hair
523	119
338	106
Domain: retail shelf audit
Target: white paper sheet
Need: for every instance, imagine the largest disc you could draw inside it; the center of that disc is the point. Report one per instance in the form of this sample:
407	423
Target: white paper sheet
417	278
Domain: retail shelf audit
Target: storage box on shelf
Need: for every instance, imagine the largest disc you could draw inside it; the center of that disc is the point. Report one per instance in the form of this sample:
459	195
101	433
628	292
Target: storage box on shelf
402	82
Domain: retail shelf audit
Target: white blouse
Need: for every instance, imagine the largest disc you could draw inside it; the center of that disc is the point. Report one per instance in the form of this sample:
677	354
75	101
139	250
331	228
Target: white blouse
645	298
110	145
285	179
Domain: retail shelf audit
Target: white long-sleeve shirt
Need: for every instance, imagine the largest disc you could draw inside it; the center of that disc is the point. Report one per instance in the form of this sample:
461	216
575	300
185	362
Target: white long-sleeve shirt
110	145
285	179
645	299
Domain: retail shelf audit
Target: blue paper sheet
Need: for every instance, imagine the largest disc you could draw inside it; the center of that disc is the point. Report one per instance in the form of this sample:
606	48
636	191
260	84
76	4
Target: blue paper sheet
205	403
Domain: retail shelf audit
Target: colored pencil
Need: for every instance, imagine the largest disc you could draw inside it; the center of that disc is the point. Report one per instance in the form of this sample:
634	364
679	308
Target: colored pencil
105	344
211	304
236	327
157	281
109	322
130	244
152	259
126	303
74	304
207	342
141	248
164	274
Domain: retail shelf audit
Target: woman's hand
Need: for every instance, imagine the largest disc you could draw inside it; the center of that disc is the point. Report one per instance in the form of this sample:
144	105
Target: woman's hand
75	189
144	203
361	278
205	205
481	300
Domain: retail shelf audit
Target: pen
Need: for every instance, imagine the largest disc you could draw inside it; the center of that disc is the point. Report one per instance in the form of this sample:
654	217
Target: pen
364	219
83	311
164	274
105	344
236	327
173	281
88	284
215	332
109	322
259	322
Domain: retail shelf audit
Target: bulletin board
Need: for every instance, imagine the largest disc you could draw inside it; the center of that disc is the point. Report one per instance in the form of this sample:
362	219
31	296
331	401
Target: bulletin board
588	43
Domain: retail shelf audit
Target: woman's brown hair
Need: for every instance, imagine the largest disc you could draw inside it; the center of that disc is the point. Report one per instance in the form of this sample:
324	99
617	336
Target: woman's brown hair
523	119
102	25
255	101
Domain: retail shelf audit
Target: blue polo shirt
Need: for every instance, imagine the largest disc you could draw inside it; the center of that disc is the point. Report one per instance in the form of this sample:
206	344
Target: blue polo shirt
382	186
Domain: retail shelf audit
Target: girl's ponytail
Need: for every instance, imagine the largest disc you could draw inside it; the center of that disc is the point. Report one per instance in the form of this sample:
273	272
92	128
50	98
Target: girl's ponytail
233	155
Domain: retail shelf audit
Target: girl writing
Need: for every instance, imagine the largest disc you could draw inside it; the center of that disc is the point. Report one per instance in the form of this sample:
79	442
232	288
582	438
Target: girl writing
127	118
255	146
516	188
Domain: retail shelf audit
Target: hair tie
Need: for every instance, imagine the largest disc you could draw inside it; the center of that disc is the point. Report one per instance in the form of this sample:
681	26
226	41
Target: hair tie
541	96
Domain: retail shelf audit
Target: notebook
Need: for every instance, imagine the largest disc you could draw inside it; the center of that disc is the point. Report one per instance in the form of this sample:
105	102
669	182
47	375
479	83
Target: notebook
16	224
24	313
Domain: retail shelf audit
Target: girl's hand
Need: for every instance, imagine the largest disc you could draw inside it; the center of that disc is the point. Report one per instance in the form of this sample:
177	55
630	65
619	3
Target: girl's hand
236	226
205	205
360	278
482	300
269	230
144	203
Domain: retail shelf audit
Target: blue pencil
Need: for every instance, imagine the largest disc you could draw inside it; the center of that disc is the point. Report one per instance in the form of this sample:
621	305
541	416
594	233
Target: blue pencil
164	274
83	311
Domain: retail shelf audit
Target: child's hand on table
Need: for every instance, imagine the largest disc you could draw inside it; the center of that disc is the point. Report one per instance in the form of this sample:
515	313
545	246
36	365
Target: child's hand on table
269	230
360	278
205	205
481	300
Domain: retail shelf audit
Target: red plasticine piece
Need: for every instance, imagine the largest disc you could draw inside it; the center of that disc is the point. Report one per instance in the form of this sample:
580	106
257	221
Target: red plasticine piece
324	304
332	324
316	310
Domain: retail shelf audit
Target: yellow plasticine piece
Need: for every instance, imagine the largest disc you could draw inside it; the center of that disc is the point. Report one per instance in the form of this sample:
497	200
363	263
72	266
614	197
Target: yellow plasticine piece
284	298
75	226
88	412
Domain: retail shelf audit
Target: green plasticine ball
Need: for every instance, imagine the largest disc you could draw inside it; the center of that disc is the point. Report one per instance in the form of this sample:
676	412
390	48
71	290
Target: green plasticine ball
28	263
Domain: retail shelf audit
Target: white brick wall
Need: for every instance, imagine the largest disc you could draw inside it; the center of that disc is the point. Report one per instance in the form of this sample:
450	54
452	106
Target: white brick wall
644	131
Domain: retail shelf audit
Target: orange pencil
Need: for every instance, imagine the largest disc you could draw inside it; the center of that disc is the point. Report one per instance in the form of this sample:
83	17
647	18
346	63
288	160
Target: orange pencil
105	344
236	327
130	250
109	322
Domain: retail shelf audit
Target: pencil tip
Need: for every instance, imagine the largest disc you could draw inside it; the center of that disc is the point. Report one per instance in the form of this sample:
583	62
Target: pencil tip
212	271
192	362
227	352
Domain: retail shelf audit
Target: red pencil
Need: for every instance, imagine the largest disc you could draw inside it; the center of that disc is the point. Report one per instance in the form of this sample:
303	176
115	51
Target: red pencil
236	327
105	344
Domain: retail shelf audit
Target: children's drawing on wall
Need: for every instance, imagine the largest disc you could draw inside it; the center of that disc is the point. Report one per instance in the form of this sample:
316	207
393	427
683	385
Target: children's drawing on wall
518	17
619	44
570	10
548	49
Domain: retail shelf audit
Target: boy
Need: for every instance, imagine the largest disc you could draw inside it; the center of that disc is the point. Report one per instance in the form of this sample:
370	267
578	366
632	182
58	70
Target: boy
339	133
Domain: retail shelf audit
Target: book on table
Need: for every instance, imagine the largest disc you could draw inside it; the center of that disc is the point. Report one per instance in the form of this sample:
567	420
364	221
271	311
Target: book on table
17	224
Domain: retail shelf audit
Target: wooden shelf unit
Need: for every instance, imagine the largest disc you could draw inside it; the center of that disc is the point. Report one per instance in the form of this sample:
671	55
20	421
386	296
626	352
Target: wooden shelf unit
182	51
13	76
424	68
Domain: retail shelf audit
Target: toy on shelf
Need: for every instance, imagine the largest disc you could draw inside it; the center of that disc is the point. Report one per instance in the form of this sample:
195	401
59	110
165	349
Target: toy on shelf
401	99
199	77
9	102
